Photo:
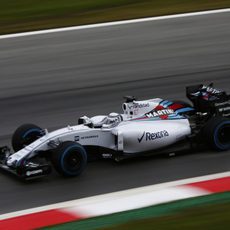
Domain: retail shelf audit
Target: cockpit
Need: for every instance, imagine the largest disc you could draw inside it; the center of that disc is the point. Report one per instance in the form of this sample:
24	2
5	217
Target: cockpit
112	120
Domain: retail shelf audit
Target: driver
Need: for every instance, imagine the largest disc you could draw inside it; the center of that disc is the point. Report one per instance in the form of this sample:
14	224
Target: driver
112	120
109	121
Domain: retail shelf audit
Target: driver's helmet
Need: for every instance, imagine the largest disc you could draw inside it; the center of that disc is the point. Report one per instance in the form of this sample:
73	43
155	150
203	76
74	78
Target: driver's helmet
114	119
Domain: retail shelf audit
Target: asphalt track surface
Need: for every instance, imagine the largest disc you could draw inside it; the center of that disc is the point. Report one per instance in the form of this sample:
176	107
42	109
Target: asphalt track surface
52	79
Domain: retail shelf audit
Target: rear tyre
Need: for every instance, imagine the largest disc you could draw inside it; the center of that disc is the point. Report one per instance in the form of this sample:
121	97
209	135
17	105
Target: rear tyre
25	135
217	133
69	159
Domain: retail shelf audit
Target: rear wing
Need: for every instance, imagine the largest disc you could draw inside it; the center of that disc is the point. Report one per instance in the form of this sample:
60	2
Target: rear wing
207	99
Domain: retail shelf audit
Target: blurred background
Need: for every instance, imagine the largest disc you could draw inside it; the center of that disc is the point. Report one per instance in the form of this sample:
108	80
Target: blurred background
26	15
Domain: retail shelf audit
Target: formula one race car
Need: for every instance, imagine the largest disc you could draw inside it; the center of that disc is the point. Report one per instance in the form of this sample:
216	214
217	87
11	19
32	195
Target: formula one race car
153	126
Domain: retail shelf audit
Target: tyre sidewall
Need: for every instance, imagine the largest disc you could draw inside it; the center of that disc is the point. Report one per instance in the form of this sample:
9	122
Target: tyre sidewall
21	133
220	146
211	133
62	152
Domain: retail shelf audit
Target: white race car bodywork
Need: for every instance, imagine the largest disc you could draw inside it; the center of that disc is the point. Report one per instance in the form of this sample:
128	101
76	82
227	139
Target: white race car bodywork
147	127
138	130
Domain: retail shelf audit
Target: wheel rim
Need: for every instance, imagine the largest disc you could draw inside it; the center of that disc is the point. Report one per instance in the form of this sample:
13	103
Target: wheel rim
72	161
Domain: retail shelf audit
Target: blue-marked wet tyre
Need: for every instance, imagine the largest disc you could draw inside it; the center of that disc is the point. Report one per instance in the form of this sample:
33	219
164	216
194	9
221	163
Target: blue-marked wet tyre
217	133
25	135
69	159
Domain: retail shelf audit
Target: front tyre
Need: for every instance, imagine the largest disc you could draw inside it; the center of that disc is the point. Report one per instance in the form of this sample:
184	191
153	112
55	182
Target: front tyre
217	133
69	159
25	135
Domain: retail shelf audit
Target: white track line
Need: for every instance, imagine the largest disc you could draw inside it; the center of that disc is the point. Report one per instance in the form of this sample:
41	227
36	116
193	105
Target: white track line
113	204
106	24
115	195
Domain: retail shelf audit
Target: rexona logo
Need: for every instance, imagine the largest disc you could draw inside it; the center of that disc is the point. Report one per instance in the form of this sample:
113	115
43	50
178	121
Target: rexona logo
158	113
147	136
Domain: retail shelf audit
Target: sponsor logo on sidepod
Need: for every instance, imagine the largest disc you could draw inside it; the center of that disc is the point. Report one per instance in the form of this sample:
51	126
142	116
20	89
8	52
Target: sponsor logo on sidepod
147	136
161	112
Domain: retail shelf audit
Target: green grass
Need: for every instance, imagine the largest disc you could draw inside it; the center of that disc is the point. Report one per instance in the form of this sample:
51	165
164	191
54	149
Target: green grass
205	212
26	15
210	217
